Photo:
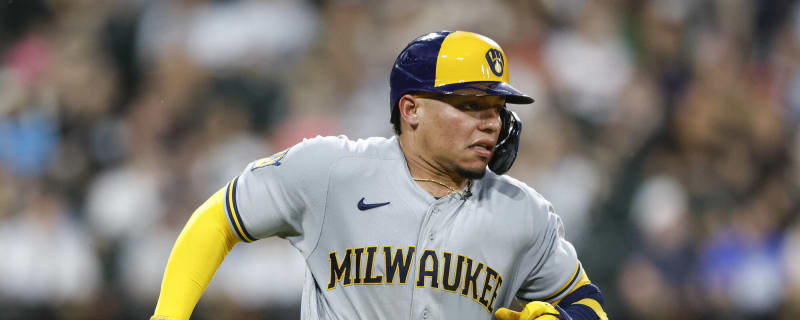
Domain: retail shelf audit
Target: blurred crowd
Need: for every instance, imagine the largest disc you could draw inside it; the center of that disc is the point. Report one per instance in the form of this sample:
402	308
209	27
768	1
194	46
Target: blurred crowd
664	132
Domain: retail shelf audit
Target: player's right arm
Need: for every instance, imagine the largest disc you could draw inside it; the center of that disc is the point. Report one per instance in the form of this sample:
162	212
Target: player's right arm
280	195
202	245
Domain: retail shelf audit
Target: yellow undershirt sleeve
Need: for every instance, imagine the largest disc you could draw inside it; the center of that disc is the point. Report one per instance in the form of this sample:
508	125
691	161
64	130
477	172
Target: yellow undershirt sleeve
202	245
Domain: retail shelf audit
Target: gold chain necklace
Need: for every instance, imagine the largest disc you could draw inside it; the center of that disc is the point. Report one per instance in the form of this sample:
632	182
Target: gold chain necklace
464	194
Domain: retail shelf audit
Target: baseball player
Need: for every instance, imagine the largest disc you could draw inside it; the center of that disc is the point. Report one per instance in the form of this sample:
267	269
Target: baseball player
410	227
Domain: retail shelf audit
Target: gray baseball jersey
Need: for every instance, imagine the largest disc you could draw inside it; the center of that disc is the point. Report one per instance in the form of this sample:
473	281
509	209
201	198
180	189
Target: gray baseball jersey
378	246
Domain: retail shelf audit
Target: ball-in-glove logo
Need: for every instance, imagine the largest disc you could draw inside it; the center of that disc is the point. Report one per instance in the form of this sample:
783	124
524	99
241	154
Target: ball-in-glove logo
496	62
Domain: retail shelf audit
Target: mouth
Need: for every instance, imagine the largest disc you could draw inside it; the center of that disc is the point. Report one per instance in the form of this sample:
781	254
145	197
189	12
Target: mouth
483	148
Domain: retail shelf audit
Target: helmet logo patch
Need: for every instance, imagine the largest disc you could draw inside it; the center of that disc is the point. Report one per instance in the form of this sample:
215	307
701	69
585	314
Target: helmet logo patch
496	62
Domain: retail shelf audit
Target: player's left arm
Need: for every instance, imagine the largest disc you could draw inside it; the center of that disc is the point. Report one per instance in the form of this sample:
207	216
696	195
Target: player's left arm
557	286
585	301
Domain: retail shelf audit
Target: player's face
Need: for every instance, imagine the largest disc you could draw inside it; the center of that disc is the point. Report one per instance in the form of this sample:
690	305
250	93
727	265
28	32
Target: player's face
460	132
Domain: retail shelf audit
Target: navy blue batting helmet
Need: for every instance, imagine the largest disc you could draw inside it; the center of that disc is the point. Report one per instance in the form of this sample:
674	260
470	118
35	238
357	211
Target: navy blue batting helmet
460	63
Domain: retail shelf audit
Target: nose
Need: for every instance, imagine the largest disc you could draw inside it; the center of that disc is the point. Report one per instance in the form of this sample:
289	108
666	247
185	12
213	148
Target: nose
490	120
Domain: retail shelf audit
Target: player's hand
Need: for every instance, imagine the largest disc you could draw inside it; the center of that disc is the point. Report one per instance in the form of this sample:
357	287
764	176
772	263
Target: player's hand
535	310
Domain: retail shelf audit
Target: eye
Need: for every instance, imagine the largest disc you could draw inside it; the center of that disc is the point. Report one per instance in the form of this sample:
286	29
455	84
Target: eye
469	107
476	106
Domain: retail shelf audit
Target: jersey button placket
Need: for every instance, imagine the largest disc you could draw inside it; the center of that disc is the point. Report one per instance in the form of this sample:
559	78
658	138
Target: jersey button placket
434	211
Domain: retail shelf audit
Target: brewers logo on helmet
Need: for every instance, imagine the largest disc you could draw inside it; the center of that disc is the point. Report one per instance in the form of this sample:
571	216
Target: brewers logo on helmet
495	59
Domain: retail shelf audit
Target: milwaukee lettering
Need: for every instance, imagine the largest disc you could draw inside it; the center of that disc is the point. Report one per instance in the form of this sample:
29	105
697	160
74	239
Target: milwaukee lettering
455	274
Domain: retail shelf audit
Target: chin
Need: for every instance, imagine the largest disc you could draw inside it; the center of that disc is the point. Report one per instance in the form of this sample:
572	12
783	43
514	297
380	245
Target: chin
472	173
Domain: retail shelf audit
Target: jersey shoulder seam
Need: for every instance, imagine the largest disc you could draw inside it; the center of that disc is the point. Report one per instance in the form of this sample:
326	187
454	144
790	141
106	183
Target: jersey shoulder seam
324	206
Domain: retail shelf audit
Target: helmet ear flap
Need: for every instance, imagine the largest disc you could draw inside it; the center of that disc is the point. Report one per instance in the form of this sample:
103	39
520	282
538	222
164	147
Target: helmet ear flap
508	143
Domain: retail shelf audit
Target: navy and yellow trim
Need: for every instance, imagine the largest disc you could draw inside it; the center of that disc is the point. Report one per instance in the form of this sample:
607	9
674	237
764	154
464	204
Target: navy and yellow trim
584	302
232	210
595	307
569	284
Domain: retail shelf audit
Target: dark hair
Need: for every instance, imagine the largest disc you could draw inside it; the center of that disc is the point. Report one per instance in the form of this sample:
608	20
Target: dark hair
395	120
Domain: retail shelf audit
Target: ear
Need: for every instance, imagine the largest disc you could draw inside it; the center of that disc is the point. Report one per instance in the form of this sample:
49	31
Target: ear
409	108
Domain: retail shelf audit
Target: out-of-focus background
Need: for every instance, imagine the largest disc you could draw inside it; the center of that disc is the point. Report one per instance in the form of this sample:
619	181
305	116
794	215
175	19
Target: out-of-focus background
664	132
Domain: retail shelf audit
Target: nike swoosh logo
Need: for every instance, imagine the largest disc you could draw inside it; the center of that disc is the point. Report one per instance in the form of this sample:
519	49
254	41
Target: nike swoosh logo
366	206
